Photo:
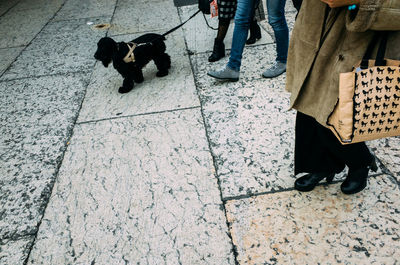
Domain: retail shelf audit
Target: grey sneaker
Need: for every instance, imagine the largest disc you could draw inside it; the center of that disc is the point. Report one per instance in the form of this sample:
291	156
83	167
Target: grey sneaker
275	70
225	74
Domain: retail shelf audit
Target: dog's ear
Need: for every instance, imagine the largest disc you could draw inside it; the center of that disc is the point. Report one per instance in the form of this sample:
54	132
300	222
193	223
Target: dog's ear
106	47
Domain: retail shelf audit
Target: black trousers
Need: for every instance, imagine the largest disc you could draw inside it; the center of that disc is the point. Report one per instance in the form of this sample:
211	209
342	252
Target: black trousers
317	150
297	4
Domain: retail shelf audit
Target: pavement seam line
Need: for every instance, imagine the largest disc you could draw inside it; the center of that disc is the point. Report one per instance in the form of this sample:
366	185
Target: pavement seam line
51	186
10	8
26	46
69	135
137	115
249	196
234	248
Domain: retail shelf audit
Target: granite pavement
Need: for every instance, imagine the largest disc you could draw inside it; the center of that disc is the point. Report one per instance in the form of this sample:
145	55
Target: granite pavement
181	170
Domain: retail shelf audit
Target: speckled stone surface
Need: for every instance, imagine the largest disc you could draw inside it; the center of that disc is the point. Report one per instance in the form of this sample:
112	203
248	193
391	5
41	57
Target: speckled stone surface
133	17
136	191
7	56
388	151
74	9
61	47
250	127
175	91
14	252
320	227
5	6
36	121
18	28
200	38
49	5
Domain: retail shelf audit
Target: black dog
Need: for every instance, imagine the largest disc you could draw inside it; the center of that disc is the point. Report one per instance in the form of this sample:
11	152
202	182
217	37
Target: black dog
129	58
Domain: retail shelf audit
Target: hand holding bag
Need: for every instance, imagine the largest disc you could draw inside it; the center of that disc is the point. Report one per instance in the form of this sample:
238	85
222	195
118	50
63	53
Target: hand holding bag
369	99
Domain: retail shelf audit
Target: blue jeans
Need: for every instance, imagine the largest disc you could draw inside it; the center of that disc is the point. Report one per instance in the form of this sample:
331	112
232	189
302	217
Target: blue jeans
277	20
244	15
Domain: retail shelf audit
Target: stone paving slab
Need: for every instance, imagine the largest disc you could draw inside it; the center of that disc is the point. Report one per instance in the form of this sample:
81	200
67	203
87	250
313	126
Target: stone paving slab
200	38
61	47
5	6
36	121
388	151
136	191
49	5
251	134
18	28
7	56
133	17
15	252
75	9
320	227
177	90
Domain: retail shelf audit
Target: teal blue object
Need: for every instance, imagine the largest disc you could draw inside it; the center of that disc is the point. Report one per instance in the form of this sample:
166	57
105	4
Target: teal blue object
352	7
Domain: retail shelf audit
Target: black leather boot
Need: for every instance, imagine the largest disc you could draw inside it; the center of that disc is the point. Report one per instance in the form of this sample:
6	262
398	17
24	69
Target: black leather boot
356	180
255	32
218	51
309	181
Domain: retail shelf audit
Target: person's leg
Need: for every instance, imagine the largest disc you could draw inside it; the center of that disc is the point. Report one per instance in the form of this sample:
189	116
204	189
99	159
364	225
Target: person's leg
219	47
255	32
311	152
297	4
311	155
277	20
356	156
243	16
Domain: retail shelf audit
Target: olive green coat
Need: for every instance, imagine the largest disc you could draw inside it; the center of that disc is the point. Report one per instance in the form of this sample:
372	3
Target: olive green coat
313	65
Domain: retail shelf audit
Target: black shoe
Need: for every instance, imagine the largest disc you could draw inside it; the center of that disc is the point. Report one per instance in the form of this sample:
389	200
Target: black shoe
309	181
356	180
218	51
255	33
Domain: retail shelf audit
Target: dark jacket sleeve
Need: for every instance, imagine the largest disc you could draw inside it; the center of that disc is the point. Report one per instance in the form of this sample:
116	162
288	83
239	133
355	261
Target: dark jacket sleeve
374	15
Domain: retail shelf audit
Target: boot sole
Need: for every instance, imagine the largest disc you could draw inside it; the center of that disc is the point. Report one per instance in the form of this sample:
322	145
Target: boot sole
224	79
274	75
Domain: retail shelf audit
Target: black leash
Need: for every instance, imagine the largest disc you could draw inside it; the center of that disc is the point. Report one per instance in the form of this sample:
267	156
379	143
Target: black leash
177	27
205	19
180	25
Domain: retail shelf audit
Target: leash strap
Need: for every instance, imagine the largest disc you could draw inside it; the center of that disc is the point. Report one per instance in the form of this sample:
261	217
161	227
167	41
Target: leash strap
177	27
205	19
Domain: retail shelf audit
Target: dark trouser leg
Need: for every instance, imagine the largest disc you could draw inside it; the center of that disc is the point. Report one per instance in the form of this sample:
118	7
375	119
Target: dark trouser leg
223	26
297	4
318	150
219	47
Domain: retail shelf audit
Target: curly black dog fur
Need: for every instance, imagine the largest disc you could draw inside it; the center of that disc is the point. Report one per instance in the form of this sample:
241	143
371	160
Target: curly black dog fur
150	47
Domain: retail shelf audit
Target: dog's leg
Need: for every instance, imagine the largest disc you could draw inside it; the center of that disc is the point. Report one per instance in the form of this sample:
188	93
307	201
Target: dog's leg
137	75
127	85
163	63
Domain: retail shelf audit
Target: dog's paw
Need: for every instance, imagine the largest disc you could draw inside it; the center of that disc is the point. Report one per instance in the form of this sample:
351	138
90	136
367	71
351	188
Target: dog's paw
162	73
123	90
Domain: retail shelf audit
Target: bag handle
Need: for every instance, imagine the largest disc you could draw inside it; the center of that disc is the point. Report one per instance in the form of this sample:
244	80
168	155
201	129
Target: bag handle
380	56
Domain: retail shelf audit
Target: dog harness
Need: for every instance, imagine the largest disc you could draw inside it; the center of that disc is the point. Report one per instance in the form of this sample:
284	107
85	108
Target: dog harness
130	57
